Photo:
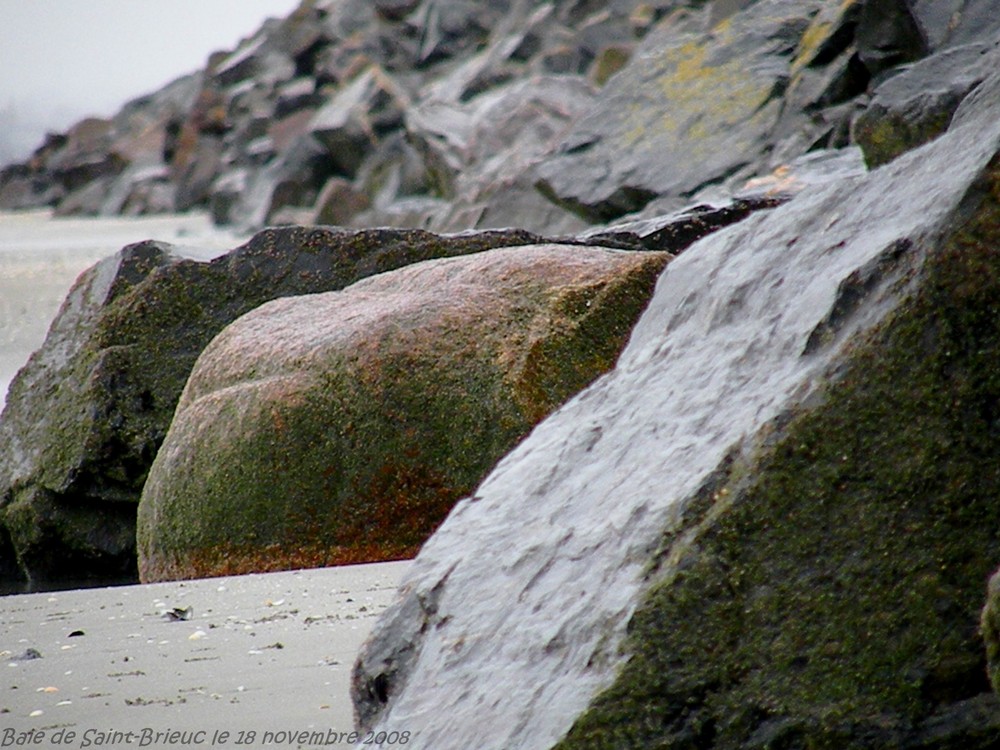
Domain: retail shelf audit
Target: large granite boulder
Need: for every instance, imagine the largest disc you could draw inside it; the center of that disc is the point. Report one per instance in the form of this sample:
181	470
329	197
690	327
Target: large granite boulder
342	427
771	525
84	418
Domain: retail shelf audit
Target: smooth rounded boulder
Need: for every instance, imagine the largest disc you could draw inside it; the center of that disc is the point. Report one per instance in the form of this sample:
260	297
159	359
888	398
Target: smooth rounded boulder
342	427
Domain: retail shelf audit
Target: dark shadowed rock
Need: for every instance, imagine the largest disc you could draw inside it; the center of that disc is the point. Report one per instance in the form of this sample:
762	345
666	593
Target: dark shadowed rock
199	170
85	417
395	10
338	203
21	189
351	124
85	155
770	525
342	427
990	627
394	171
889	34
293	178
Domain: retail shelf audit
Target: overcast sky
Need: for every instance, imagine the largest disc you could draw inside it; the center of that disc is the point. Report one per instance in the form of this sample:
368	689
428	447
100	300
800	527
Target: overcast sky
62	60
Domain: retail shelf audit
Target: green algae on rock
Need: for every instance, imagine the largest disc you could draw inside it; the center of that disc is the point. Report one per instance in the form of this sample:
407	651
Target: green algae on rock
342	427
86	415
827	592
771	525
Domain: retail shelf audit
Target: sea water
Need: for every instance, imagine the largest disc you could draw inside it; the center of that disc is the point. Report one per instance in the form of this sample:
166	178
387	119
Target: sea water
41	256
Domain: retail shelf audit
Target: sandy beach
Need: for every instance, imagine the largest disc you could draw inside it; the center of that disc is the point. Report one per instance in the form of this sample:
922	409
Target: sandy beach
244	661
247	661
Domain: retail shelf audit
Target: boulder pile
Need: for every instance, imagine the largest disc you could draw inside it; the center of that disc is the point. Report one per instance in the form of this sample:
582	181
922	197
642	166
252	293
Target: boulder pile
704	454
452	115
85	417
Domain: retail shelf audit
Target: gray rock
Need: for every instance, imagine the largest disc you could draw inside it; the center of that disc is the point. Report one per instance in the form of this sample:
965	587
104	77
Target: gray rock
917	104
85	155
699	107
395	170
88	198
338	203
297	94
22	188
950	23
769	524
889	35
292	179
225	194
195	178
257	57
352	122
489	158
141	190
448	28
361	66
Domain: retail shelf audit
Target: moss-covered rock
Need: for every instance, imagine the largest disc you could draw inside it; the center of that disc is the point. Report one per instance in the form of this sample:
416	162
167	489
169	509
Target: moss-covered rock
342	427
85	417
917	105
828	592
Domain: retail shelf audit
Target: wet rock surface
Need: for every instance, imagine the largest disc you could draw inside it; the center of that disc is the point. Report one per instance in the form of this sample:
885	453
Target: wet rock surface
804	562
771	524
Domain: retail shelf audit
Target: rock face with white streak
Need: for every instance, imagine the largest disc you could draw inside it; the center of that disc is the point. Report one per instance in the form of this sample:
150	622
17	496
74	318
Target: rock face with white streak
770	526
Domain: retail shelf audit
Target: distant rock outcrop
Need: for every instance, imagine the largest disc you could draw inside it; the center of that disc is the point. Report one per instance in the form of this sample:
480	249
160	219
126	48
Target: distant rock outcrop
771	525
544	115
342	427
